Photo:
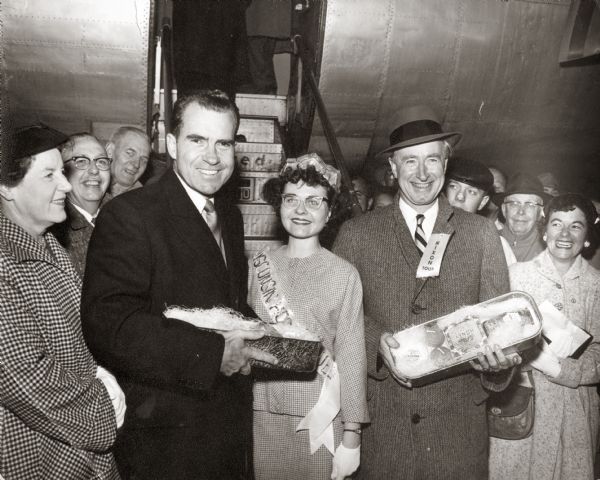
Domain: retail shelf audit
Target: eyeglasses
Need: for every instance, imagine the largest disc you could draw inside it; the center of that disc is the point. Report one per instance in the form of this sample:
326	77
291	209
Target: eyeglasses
83	163
289	200
526	206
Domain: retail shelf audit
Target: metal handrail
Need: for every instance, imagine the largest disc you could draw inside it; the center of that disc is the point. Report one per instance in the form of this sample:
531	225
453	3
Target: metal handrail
305	56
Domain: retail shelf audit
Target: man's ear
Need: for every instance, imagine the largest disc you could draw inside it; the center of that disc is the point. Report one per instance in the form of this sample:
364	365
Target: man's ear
172	145
6	193
370	204
110	149
484	202
503	208
393	167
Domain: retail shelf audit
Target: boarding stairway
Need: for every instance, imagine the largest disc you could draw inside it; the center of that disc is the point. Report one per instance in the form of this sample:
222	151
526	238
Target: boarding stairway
259	158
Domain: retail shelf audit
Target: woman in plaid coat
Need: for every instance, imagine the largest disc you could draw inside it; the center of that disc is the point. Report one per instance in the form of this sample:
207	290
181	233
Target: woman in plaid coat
57	419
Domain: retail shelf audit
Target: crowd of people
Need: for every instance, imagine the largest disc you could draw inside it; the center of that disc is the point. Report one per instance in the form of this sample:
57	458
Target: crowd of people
96	383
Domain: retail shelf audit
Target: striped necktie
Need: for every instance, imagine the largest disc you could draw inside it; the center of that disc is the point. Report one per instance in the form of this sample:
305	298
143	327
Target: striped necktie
420	241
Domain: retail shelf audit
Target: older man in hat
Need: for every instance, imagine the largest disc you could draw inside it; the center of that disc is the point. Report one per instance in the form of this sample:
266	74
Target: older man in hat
468	187
438	430
521	210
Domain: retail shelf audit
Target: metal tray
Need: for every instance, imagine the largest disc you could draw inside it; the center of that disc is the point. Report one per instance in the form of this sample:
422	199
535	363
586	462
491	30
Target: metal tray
443	346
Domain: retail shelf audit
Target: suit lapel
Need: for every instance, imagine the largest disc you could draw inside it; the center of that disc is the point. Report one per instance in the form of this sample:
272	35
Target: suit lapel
404	237
191	228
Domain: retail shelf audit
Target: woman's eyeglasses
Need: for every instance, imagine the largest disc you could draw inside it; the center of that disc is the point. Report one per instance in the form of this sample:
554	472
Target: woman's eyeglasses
526	206
289	200
83	163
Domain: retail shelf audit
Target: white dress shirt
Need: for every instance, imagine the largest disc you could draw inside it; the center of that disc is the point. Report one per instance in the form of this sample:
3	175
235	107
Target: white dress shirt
85	213
197	198
410	216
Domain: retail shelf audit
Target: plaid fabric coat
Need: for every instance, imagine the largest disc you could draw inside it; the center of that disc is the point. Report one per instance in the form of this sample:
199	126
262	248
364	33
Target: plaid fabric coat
436	431
56	418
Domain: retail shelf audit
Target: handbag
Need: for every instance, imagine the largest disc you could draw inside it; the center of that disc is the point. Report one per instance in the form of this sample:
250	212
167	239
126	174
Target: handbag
511	412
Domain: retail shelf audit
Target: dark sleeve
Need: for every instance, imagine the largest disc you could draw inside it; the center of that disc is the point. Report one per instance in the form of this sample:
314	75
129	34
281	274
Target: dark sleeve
121	332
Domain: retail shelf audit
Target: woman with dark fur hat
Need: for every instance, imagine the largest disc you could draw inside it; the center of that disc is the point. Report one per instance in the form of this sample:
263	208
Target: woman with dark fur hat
59	411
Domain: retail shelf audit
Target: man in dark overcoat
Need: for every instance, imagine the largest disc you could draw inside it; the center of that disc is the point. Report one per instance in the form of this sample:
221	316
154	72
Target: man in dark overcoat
438	430
176	242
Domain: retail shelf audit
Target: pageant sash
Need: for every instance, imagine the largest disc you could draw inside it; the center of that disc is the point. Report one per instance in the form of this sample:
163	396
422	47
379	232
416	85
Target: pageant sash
319	421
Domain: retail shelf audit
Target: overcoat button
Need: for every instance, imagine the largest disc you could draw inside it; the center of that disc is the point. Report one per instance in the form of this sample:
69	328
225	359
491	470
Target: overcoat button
415	418
559	306
559	286
416	308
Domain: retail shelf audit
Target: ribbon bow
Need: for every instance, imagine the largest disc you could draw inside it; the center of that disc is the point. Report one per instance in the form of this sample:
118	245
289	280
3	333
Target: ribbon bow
331	174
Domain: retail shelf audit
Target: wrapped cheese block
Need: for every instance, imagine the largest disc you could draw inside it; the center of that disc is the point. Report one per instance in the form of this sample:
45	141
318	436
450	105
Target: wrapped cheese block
445	345
295	348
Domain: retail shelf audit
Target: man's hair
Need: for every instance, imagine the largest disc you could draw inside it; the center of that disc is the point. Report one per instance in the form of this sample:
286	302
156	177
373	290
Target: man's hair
66	151
122	131
215	100
273	188
569	202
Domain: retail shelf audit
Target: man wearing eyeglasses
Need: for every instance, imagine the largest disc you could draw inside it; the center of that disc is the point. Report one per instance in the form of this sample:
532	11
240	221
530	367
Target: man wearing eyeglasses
521	210
87	167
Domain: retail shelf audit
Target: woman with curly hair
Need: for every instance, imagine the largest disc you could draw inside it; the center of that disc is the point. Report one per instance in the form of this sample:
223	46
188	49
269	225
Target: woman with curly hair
565	430
309	426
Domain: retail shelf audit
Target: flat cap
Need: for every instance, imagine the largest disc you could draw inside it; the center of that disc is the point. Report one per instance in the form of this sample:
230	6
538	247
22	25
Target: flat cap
471	172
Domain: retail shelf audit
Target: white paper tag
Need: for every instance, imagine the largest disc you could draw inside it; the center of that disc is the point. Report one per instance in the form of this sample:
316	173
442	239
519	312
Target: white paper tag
566	337
431	261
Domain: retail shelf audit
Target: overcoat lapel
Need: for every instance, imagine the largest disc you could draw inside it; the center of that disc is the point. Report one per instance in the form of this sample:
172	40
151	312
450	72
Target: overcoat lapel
191	228
407	244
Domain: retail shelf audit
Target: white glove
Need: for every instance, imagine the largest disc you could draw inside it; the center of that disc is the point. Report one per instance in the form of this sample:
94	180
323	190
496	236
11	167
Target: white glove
546	361
345	462
117	397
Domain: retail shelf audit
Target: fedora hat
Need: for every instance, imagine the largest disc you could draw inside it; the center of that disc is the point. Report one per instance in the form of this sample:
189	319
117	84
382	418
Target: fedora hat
522	183
416	125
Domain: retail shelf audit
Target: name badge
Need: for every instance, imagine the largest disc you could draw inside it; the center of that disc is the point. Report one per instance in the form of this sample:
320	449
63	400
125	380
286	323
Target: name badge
430	263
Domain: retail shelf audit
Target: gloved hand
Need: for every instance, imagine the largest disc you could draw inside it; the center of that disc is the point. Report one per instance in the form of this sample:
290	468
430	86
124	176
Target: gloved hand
117	397
546	360
345	462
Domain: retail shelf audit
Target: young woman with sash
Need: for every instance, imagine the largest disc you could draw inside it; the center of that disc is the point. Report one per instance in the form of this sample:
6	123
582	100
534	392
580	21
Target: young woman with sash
309	426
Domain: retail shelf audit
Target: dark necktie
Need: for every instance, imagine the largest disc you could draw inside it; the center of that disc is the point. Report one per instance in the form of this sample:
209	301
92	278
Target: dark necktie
420	241
210	215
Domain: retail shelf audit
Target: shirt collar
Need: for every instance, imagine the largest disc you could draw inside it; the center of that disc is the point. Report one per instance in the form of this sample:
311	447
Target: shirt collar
197	198
410	216
84	213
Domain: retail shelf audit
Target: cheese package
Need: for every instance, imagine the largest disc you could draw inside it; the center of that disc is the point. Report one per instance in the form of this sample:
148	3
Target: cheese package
444	346
295	348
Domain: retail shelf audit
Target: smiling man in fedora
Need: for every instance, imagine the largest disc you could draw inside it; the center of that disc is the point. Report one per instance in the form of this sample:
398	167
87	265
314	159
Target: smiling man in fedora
437	430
